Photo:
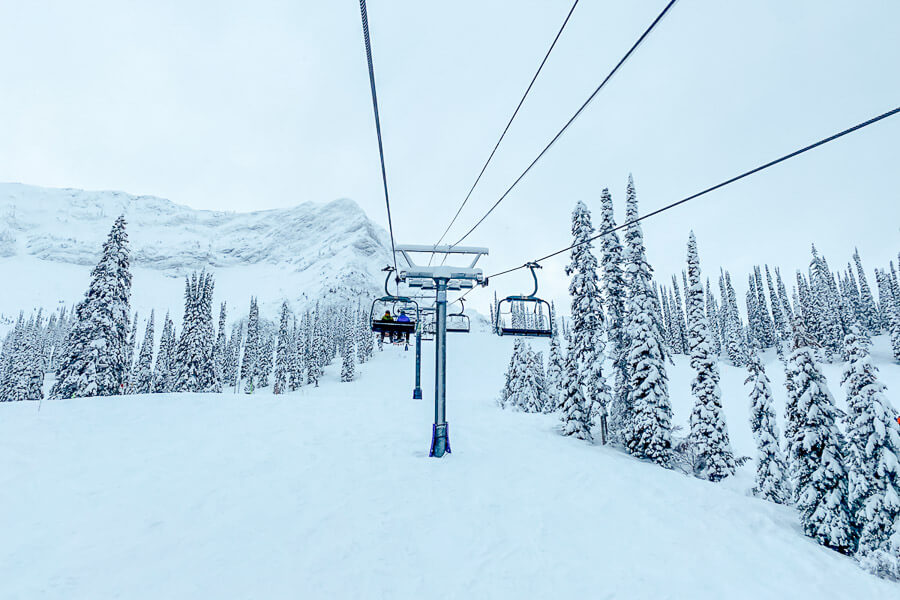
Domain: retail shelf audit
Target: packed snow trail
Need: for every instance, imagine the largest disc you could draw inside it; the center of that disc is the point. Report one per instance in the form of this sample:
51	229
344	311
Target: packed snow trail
329	493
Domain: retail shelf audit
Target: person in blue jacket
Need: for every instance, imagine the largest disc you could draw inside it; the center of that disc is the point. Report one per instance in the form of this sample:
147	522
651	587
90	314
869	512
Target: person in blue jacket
404	319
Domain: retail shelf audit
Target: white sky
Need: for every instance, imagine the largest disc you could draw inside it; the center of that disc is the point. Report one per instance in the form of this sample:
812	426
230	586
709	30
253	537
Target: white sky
239	106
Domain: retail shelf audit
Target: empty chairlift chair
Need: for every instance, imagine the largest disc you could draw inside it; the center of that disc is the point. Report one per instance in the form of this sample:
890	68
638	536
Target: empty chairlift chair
459	322
527	316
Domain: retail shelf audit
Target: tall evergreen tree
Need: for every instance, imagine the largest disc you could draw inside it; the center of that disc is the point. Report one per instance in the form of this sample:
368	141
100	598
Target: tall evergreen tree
613	280
770	468
575	420
649	413
588	327
868	311
817	453
348	365
282	352
96	363
196	368
713	456
220	350
164	369
873	436
249	367
555	374
143	370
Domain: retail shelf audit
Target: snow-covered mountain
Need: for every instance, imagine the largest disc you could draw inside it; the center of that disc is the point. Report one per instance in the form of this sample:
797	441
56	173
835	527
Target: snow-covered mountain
300	254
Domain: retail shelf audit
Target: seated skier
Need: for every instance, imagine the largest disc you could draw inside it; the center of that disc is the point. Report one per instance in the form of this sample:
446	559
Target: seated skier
404	319
387	318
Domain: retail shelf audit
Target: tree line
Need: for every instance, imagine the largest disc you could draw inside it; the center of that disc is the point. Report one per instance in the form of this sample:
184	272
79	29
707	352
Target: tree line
842	471
93	350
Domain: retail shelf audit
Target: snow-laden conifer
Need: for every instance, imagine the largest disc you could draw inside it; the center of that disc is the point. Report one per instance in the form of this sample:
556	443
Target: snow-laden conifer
588	327
873	440
220	350
348	364
817	452
164	368
282	352
143	370
868	311
95	363
613	280
713	456
771	474
555	375
574	417
252	350
648	432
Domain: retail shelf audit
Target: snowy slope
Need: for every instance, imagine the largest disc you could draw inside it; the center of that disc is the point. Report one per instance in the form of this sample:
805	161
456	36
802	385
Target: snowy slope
328	493
52	237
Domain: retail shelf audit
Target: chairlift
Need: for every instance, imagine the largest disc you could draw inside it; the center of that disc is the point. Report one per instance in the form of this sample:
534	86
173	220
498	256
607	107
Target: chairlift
526	316
394	306
429	327
459	322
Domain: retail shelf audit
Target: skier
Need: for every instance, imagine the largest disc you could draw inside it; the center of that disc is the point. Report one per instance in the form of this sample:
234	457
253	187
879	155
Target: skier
404	319
387	318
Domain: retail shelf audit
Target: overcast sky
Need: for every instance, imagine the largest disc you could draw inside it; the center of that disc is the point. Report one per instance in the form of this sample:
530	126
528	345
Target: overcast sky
253	105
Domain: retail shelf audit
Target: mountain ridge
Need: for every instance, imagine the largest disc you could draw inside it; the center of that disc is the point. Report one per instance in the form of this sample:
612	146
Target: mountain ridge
301	254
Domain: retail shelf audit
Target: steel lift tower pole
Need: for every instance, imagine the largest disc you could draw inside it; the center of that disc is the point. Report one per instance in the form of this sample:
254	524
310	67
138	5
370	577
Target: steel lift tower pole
441	278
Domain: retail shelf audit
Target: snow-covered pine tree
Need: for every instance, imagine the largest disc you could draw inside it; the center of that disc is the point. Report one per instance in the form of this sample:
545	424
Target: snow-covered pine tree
249	368
824	303
297	377
282	352
868	311
231	367
163	370
873	437
129	353
95	363
816	451
196	368
754	322
648	432
555	374
143	370
780	320
893	311
220	351
588	326
767	325
785	303
528	393
735	344
575	420
265	362
680	335
348	364
511	382
34	361
771	482
713	456
712	317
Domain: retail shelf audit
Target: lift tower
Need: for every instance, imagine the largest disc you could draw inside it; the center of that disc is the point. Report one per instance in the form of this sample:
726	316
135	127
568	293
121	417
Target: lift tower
441	278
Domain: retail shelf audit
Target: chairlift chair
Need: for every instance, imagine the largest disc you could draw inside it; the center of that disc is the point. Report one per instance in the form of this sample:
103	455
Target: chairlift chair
526	315
459	322
394	305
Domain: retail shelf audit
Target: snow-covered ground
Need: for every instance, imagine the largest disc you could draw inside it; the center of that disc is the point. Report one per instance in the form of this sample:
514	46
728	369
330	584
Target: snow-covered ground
329	493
